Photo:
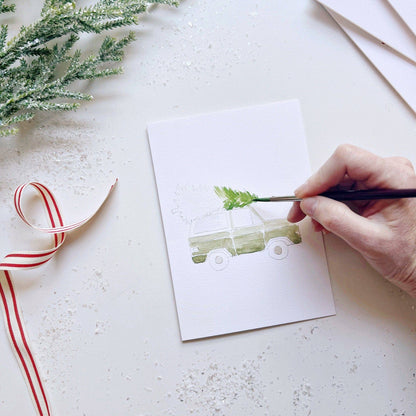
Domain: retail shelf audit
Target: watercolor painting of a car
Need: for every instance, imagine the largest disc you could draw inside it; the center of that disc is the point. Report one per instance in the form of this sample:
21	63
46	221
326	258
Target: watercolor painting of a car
218	237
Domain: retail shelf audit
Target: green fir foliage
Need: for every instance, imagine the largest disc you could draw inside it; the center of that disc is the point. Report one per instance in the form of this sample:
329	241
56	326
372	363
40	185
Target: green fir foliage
234	199
39	64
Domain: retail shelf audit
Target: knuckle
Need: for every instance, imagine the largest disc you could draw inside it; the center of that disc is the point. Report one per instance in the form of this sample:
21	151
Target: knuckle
343	151
409	169
402	161
400	172
406	162
407	174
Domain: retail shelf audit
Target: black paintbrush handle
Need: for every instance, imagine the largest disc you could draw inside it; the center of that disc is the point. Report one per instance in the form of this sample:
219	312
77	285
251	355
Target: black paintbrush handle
351	195
370	194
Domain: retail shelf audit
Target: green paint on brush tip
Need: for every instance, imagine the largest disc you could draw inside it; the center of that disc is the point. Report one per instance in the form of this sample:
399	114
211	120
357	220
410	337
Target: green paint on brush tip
234	199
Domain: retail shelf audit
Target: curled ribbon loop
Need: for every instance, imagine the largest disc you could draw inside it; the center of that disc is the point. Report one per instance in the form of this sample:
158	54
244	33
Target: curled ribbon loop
27	260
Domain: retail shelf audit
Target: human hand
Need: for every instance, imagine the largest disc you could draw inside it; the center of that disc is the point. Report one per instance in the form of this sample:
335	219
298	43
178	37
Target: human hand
383	231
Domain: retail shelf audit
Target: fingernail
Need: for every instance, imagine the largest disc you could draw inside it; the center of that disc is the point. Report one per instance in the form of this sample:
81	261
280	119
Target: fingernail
308	206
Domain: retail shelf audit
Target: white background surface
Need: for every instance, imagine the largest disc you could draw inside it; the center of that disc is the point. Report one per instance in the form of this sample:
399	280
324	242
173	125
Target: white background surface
101	315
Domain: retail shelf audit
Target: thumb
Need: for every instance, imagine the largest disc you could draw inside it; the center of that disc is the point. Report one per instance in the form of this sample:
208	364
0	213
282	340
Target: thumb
336	217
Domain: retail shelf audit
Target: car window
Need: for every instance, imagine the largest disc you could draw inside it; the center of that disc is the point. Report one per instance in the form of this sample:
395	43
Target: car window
211	223
244	218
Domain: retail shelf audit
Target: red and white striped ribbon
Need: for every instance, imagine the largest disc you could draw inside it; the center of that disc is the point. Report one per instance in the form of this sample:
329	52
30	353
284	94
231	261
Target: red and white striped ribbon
27	260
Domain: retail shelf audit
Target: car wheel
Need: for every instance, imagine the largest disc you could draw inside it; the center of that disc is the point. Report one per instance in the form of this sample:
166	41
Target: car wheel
218	259
277	249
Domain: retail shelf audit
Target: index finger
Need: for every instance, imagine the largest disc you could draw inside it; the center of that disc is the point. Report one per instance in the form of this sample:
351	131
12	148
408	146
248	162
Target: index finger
359	164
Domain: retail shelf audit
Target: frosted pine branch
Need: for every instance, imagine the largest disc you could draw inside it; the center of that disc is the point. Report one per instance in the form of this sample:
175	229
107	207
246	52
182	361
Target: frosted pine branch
29	79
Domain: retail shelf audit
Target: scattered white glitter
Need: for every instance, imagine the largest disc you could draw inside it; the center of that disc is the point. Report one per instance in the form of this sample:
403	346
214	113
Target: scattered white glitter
211	390
302	399
97	281
54	343
99	327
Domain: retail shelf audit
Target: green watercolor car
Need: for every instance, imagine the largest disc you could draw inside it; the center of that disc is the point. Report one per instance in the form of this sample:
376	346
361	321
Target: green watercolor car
216	238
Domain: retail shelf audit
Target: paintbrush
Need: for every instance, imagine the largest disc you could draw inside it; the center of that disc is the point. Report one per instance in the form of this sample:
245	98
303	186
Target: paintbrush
350	195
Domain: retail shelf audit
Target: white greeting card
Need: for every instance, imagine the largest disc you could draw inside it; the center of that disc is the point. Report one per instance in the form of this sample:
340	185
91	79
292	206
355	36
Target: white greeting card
245	268
399	72
407	11
379	19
